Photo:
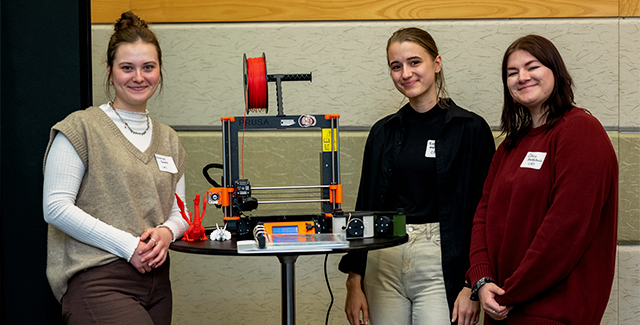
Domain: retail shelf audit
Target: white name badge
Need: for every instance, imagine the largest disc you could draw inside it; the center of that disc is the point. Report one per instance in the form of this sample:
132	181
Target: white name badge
166	164
533	160
431	149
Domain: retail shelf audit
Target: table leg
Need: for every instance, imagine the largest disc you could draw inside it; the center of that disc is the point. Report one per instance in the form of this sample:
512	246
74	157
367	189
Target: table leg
288	289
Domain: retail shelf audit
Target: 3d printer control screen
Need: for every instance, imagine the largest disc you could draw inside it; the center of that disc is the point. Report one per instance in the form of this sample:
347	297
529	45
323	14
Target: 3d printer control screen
285	230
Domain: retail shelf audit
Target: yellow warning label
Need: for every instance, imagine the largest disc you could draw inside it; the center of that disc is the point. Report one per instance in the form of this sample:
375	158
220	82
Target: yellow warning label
326	140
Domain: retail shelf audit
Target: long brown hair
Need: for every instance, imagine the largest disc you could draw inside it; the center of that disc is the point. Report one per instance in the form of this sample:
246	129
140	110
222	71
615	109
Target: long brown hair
130	29
516	119
424	39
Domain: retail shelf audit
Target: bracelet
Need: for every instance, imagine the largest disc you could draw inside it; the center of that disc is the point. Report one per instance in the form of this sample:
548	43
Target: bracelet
477	286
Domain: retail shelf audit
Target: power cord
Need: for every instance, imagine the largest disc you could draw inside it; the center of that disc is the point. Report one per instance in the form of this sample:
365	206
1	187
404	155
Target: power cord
326	278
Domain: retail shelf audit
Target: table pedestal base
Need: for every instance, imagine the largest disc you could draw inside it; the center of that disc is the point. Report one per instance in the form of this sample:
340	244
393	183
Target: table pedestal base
288	265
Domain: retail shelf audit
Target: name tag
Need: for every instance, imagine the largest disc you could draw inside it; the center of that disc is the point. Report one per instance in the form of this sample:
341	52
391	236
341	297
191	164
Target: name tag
431	149
533	160
166	164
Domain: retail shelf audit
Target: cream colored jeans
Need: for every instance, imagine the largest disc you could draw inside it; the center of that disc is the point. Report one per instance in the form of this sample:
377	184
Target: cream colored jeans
404	284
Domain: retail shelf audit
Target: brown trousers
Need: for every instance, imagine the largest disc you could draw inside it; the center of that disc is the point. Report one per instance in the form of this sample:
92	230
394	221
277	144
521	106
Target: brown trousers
116	293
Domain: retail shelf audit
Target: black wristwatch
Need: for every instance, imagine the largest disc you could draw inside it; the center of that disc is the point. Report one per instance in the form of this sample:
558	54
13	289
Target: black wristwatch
477	286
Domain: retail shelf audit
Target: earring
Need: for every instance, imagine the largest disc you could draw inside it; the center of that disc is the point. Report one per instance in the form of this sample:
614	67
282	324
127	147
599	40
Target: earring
514	101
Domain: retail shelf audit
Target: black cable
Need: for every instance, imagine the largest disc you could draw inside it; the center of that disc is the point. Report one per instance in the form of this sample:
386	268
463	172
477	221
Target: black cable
205	172
326	278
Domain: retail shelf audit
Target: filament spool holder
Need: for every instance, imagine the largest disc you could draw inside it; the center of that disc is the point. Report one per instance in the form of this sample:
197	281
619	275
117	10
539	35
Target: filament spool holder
255	83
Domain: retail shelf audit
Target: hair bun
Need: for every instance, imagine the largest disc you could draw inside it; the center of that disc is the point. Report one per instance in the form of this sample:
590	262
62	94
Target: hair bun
129	19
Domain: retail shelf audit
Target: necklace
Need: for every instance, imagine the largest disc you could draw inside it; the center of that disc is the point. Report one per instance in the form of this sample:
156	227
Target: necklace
127	125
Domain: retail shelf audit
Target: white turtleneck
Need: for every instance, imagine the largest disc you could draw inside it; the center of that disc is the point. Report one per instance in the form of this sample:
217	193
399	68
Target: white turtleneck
137	121
64	171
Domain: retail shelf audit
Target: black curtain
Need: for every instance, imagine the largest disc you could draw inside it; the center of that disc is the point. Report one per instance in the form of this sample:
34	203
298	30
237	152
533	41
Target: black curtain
45	67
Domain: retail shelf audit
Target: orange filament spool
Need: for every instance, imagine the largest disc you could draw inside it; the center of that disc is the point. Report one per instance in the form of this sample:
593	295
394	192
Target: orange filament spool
255	84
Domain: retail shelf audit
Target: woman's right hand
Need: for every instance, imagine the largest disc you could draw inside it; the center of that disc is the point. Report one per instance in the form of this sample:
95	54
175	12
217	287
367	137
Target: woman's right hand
135	259
487	295
356	301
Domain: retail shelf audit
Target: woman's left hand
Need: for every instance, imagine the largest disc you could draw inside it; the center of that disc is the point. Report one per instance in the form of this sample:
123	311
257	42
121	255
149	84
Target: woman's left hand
156	255
465	311
487	295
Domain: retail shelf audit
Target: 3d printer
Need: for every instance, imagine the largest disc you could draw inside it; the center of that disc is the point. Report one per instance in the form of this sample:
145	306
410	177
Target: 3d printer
234	195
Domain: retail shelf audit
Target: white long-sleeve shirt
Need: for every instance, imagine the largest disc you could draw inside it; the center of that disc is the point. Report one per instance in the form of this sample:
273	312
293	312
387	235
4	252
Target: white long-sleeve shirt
64	171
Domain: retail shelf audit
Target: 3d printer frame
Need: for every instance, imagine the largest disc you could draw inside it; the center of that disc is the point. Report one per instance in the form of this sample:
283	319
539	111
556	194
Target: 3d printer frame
233	196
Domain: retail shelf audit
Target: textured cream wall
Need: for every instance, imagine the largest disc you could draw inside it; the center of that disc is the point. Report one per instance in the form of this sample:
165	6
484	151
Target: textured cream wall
629	68
203	65
203	73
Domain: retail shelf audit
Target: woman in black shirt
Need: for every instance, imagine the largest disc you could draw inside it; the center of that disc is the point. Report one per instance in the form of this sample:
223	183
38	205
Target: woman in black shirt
430	158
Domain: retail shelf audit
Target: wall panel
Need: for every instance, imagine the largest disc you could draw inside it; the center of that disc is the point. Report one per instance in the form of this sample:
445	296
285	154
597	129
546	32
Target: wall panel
629	8
629	67
106	11
203	66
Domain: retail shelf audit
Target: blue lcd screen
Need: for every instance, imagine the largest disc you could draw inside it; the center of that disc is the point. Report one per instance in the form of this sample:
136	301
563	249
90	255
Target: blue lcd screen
285	230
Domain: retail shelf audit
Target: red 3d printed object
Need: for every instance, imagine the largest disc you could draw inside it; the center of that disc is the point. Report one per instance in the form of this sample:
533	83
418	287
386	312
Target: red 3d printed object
196	230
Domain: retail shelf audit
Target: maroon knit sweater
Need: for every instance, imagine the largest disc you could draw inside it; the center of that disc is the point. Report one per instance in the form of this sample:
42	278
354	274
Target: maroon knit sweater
546	227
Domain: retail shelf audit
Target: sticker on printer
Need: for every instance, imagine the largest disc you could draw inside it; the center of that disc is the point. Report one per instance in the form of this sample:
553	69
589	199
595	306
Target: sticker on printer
287	122
306	121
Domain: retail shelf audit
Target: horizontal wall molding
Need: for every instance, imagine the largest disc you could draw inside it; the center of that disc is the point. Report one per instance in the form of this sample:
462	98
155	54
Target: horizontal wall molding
162	11
628	242
356	128
624	129
218	128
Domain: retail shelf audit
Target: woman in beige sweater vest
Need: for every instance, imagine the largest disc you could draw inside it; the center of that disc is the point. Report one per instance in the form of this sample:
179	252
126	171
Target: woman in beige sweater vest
110	177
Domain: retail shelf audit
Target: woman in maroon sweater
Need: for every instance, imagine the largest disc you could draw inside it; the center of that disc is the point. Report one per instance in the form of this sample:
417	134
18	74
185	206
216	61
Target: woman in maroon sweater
544	234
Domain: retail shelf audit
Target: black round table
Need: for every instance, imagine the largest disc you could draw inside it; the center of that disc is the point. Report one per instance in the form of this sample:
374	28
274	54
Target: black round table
287	260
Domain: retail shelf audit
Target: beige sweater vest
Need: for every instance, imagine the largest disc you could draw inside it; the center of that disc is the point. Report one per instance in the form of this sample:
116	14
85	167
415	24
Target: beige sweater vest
122	186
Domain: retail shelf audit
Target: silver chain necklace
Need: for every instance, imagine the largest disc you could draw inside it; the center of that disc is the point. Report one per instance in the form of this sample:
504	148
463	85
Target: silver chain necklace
127	125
